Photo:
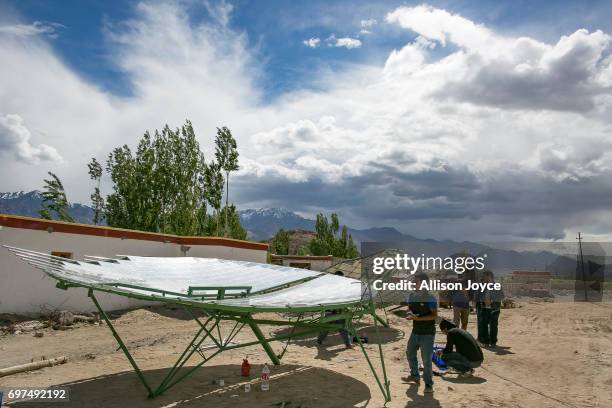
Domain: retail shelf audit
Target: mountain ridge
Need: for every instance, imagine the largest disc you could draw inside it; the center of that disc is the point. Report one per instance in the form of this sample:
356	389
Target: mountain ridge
29	203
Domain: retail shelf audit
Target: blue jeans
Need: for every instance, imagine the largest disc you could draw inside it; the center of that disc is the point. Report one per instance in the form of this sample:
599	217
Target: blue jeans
425	342
459	362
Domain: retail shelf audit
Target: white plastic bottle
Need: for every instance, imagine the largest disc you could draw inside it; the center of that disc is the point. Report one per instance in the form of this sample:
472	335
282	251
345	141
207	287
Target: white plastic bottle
265	378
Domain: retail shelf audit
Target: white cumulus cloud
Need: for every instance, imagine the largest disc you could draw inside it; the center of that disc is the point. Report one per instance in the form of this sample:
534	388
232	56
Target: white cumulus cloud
15	139
521	73
344	42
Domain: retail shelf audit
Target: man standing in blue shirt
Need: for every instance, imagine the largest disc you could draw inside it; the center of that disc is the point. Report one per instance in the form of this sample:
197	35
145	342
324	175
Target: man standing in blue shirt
423	312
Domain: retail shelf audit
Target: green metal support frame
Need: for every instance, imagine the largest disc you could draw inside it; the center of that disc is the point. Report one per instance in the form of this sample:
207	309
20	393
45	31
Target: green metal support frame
212	323
385	383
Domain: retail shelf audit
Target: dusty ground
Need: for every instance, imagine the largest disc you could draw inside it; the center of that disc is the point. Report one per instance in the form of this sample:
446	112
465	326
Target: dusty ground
551	355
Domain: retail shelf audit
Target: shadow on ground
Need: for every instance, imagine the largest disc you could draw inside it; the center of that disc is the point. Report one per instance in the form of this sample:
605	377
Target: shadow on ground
387	335
500	350
464	380
309	386
419	400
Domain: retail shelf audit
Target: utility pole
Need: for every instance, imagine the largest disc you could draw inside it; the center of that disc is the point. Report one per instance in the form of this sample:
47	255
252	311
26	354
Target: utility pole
586	295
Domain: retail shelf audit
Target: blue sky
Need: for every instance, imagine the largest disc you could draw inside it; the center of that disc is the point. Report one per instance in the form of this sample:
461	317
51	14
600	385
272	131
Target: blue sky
278	28
481	120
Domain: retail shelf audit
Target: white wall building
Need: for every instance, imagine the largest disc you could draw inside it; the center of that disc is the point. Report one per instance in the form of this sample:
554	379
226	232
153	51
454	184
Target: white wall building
27	290
313	262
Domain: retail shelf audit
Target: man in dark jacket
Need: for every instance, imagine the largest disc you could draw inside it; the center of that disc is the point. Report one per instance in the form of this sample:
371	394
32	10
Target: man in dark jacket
488	308
462	351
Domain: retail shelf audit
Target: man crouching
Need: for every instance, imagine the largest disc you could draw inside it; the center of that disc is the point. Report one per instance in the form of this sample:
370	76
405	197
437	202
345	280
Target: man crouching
462	351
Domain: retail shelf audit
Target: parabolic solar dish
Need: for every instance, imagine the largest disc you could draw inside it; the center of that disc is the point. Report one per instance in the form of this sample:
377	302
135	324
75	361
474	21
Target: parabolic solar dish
206	281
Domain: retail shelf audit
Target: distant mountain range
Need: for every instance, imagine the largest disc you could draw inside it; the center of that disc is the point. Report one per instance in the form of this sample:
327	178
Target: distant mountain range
262	224
28	204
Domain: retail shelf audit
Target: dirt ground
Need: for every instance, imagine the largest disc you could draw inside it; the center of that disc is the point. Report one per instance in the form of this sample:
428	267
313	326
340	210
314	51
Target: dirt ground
550	355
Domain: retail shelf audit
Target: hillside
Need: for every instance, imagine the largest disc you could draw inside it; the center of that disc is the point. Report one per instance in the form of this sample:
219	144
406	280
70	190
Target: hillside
298	239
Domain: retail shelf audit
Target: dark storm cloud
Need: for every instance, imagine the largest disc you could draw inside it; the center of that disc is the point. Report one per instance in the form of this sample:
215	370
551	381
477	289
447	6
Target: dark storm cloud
455	183
525	203
497	85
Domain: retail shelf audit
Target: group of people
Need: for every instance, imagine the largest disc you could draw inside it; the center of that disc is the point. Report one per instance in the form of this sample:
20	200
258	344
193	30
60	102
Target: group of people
462	352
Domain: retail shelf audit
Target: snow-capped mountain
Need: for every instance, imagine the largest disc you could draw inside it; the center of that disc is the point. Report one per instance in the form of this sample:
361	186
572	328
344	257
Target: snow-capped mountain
18	194
266	212
263	223
29	203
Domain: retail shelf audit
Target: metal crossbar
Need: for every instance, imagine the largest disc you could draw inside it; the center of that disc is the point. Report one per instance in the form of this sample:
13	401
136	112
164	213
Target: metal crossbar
221	290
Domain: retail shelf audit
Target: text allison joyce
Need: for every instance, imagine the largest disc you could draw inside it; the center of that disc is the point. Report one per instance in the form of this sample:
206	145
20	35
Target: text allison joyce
435	284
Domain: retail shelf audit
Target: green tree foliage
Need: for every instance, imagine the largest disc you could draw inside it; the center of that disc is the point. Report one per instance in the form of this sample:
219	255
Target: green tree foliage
214	191
303	250
236	230
327	241
95	173
226	153
160	188
280	243
54	201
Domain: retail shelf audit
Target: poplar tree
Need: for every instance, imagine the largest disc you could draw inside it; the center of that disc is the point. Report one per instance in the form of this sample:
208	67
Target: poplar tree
226	153
327	242
160	188
165	185
54	200
280	243
97	202
234	229
214	191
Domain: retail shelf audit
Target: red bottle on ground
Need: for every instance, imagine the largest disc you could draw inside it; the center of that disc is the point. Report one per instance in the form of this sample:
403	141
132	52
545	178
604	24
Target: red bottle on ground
246	368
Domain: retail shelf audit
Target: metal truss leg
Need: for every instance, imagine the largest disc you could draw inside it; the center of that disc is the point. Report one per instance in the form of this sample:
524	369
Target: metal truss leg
194	346
382	321
380	351
384	384
120	342
262	340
